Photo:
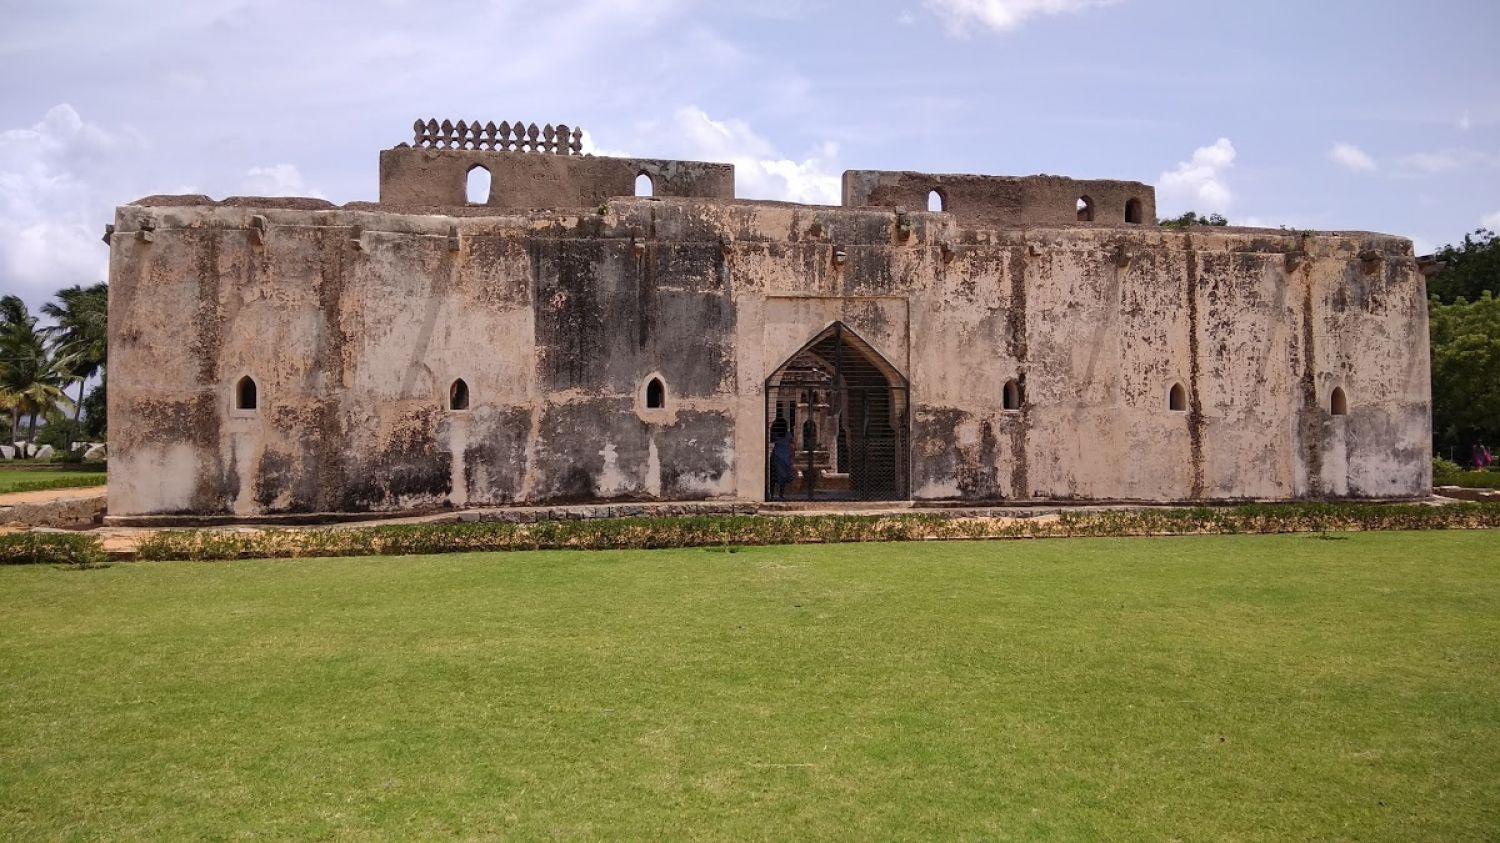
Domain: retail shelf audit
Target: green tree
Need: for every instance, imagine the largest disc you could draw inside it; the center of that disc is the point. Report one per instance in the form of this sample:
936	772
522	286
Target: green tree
1465	374
79	337
31	381
1192	218
1473	267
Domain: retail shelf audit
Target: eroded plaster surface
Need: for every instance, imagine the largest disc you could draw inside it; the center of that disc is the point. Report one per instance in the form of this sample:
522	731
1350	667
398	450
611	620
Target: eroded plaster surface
354	322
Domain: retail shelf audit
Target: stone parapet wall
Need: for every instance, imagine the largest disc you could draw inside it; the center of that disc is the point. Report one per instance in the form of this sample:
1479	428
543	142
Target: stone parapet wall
436	178
1005	200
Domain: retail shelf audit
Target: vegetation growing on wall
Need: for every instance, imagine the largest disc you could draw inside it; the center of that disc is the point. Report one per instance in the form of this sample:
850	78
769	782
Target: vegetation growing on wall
1192	218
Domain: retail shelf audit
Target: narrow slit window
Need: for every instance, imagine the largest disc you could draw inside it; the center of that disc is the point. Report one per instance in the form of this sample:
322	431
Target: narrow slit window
656	394
244	394
936	201
1133	211
477	190
1085	209
644	186
1177	398
1011	399
458	395
1338	404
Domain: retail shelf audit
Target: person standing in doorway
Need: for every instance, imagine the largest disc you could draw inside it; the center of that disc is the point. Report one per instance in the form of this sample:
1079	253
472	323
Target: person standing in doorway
781	458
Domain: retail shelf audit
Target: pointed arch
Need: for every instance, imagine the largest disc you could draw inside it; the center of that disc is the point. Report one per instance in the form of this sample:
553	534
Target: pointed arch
838	332
477	185
1177	400
837	422
656	393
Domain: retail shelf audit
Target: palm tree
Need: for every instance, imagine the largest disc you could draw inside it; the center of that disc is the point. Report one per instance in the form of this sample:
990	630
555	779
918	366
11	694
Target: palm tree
79	339
31	381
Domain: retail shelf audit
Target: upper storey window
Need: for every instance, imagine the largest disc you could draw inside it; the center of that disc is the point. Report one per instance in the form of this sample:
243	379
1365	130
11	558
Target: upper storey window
1133	211
644	186
1085	209
477	190
936	201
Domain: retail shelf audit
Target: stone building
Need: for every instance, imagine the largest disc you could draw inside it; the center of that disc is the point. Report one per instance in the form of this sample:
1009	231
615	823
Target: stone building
557	337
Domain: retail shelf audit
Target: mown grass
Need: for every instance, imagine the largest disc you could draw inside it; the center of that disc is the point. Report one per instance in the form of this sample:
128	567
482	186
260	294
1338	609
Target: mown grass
44	480
1214	687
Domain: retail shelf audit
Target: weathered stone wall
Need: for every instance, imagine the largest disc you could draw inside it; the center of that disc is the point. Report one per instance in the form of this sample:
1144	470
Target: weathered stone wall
437	178
355	323
990	201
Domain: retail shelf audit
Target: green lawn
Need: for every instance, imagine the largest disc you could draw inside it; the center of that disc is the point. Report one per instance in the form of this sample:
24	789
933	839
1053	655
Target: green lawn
1248	687
35	481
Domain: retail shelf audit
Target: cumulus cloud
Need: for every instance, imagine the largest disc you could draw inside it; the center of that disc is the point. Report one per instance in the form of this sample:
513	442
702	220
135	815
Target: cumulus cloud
1199	183
959	16
761	171
277	180
52	210
1351	157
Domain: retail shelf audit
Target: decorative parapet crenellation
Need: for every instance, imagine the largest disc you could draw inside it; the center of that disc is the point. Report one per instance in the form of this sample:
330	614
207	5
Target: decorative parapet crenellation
507	137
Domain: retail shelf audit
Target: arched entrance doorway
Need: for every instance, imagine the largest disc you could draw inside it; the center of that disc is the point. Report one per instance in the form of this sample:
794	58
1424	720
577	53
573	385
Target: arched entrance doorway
837	423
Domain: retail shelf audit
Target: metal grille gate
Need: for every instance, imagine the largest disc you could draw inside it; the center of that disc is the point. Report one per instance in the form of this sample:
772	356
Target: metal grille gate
837	424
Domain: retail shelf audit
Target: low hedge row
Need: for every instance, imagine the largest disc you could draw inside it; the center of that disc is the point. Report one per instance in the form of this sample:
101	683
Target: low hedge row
35	548
1445	473
84	550
739	530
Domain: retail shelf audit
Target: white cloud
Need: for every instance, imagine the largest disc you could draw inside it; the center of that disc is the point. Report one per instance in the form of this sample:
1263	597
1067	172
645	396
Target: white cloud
276	180
1446	160
1351	157
52	207
958	16
1490	221
1465	123
1198	184
760	171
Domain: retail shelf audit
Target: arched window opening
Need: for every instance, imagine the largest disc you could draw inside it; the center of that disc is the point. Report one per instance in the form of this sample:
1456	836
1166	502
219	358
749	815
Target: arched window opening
656	394
644	186
1339	403
458	395
478	188
1133	211
244	394
1177	398
1085	209
936	201
1012	396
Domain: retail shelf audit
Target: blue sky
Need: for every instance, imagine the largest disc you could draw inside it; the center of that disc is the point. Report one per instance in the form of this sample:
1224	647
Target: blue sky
1337	114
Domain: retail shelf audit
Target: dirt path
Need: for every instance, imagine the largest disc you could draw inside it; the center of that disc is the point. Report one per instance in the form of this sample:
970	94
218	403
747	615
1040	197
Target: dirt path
50	495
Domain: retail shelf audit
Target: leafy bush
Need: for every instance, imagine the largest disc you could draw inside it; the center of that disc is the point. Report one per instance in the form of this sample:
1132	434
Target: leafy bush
34	548
1445	473
740	530
60	434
